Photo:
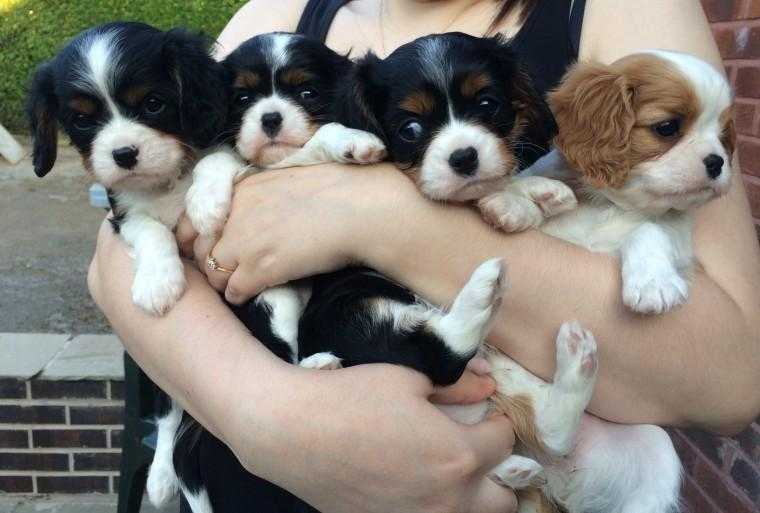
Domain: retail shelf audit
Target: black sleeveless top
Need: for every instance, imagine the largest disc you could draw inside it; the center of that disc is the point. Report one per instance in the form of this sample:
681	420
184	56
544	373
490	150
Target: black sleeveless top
547	43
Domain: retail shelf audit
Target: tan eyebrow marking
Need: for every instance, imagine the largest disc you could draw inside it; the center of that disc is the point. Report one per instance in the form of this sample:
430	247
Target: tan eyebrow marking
473	83
83	105
247	80
296	76
418	102
135	94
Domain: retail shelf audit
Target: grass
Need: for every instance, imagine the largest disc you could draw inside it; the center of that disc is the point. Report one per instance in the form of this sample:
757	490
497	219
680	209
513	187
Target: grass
32	31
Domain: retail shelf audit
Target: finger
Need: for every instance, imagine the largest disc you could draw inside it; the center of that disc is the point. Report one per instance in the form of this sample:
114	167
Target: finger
492	498
245	283
492	440
202	246
218	278
186	235
471	388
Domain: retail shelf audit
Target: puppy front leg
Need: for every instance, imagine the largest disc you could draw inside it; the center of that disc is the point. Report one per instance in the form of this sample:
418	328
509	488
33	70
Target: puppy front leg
334	142
207	202
159	275
525	202
652	283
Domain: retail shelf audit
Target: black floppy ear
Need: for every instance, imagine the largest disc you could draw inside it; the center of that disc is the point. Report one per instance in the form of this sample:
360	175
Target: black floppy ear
203	90
532	112
362	97
538	124
42	111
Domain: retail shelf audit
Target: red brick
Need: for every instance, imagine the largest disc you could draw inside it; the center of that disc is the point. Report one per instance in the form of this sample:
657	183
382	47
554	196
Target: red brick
13	414
710	445
116	436
96	414
97	461
72	484
746	478
749	440
694	499
686	452
117	390
738	42
722	10
749	156
752	186
33	461
12	388
724	493
744	115
14	439
16	484
76	438
748	82
44	389
753	9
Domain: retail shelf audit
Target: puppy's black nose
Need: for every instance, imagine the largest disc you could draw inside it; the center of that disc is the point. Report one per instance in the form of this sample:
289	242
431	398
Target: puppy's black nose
464	161
713	165
271	121
125	157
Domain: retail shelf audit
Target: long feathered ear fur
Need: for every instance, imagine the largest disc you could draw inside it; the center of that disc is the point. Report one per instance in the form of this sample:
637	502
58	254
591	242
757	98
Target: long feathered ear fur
593	107
362	97
41	110
203	90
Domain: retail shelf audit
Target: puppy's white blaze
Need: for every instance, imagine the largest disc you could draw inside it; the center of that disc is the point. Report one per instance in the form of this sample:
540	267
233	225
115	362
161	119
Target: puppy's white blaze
277	52
256	146
160	157
101	56
436	177
286	304
163	483
434	61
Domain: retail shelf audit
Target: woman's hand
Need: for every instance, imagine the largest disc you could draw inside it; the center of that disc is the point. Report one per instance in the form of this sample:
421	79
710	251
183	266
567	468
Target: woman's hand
366	440
299	222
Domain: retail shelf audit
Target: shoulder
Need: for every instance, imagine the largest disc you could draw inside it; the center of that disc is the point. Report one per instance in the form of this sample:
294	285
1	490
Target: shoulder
614	29
259	17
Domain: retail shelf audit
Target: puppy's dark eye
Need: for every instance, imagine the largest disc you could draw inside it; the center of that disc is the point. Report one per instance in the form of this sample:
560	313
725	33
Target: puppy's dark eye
83	122
243	98
308	93
411	131
153	105
667	128
488	105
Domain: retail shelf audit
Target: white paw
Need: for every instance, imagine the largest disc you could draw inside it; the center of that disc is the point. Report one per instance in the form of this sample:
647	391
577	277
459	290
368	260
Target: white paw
577	360
361	147
554	197
208	205
518	472
321	361
162	485
466	324
158	285
654	291
510	213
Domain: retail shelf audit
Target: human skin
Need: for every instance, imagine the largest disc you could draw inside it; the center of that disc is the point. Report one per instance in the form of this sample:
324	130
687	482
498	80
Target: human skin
207	361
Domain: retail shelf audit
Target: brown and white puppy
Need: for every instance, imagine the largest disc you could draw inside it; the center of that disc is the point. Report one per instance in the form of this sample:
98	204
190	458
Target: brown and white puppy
647	140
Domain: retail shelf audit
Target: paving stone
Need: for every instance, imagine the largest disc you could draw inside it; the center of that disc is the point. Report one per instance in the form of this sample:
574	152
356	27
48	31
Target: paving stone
83	503
23	355
95	357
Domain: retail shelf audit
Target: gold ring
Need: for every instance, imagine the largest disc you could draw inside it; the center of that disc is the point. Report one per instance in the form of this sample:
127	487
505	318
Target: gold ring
213	265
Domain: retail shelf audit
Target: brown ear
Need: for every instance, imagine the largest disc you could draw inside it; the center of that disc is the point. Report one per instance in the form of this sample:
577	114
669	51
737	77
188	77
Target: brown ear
728	138
537	120
593	107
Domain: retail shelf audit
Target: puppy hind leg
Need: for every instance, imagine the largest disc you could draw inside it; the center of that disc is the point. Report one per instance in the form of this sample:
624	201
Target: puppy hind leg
163	484
518	472
468	320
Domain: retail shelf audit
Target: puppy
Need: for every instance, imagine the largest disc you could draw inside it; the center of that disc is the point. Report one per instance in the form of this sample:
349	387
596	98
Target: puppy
646	140
140	105
456	112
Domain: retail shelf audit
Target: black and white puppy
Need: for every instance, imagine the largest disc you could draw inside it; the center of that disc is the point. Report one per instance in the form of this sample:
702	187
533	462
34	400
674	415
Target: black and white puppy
456	112
139	104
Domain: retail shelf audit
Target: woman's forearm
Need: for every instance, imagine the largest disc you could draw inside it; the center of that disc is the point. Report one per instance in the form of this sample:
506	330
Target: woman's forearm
683	368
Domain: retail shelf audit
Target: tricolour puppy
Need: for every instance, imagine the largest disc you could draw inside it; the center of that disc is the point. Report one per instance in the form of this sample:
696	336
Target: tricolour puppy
139	104
457	113
646	140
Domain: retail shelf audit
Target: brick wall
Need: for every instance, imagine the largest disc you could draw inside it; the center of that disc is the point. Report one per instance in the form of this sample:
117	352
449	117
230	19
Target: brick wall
736	25
60	436
723	474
